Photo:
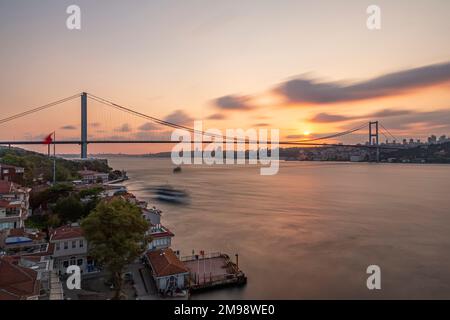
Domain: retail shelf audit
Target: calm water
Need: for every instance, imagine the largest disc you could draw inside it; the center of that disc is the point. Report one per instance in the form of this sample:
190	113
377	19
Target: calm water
312	230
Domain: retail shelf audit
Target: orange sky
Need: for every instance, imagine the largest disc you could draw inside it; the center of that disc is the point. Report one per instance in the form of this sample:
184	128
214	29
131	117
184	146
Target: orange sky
177	60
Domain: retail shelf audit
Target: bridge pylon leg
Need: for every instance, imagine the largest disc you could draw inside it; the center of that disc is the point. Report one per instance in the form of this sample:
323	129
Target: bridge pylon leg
374	142
83	125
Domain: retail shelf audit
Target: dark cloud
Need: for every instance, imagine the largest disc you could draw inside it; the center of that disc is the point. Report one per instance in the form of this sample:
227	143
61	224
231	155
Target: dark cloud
430	119
69	127
233	102
179	117
304	90
148	126
390	113
153	135
262	124
94	124
327	117
324	117
217	116
414	121
113	137
124	128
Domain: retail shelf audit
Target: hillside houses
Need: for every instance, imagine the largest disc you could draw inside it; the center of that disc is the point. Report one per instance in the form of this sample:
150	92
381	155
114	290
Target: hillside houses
14	205
34	263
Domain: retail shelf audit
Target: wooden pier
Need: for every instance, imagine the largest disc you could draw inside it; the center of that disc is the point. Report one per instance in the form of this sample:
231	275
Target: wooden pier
212	270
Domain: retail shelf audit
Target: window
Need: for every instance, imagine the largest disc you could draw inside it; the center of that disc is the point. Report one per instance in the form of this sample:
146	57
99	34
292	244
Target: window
58	246
81	243
74	244
66	245
72	261
6	225
79	262
66	264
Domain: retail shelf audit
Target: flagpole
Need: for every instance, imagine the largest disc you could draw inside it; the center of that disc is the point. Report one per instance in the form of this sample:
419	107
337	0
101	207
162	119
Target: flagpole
54	157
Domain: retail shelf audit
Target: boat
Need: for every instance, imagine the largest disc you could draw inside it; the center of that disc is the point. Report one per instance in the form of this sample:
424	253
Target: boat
170	194
177	170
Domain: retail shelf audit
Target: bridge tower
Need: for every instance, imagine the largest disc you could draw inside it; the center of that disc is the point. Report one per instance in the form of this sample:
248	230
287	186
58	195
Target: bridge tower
84	125
373	137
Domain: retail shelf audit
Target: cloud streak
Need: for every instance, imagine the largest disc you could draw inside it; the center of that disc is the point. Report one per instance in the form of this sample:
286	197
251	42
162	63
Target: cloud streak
148	126
408	120
179	117
216	116
306	90
68	127
324	117
124	128
233	102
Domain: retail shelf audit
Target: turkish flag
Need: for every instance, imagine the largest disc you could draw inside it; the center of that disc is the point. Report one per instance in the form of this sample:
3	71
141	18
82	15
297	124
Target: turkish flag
48	139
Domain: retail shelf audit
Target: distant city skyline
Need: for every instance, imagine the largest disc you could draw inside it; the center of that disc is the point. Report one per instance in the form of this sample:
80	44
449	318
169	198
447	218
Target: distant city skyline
309	68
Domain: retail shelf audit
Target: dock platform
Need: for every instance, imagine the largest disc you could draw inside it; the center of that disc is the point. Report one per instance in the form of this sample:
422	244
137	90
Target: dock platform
212	270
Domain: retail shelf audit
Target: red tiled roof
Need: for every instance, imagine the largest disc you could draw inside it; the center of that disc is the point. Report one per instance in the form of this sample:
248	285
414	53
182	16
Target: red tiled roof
9	204
162	234
11	259
5	295
66	232
17	282
20	232
165	263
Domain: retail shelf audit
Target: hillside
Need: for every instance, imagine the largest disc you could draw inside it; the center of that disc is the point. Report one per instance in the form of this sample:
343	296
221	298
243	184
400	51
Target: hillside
39	167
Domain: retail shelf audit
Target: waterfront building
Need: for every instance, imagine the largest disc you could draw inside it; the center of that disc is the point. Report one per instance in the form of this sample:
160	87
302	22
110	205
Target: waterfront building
169	273
161	237
152	215
89	176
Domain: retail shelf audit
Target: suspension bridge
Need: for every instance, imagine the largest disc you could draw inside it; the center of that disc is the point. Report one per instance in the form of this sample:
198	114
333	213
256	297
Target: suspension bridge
374	130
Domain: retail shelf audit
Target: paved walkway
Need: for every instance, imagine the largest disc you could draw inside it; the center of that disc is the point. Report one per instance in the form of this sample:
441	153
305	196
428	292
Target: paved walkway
143	282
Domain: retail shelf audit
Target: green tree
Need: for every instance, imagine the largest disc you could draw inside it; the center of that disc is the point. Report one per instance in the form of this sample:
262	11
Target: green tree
116	232
69	209
53	221
94	191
